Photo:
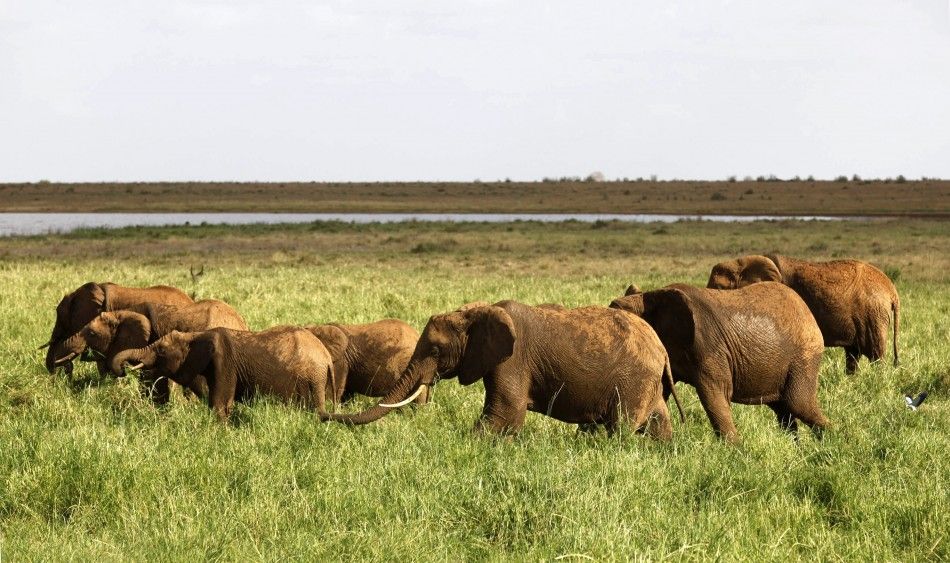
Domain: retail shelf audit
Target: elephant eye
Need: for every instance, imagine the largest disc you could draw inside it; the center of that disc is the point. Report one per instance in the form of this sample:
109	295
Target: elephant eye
435	350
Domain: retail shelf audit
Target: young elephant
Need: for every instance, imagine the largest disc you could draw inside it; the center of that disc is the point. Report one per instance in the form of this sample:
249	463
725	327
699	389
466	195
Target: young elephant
852	301
76	309
112	332
757	345
369	358
286	362
586	365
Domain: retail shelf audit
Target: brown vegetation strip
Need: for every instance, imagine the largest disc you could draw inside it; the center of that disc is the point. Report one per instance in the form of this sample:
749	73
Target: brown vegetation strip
883	198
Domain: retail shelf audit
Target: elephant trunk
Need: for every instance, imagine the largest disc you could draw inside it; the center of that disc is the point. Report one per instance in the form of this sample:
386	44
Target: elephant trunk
72	347
145	357
54	350
405	391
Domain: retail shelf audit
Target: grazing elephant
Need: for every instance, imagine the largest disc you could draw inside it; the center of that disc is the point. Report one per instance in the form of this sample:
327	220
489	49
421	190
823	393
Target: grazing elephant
287	362
586	365
852	301
76	309
369	358
757	345
112	332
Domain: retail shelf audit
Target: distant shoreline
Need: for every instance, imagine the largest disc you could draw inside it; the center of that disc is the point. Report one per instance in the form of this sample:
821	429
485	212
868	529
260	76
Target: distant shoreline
877	198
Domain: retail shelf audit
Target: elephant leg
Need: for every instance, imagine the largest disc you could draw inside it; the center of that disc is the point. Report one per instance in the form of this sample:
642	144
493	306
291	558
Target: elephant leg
802	403
878	342
718	410
505	408
784	416
658	424
158	390
851	356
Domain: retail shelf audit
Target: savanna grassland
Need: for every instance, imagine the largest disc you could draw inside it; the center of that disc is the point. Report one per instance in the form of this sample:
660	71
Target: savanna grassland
889	197
89	470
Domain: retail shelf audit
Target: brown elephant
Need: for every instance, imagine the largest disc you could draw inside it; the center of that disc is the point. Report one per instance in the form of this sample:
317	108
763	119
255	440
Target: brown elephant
590	365
756	345
852	301
286	362
76	309
369	358
112	332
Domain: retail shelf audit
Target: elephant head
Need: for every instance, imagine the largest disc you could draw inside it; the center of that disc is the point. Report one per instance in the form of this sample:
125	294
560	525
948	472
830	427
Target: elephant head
468	343
734	274
178	356
74	311
118	330
669	311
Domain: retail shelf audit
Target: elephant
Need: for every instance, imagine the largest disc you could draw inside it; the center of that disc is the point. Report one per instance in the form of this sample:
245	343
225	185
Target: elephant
112	332
286	362
590	365
369	358
852	301
756	345
76	309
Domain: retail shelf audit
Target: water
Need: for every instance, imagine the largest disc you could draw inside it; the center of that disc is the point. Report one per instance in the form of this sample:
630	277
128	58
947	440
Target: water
44	223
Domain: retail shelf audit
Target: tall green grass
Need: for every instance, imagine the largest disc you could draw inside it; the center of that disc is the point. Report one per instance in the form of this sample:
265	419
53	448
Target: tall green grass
89	470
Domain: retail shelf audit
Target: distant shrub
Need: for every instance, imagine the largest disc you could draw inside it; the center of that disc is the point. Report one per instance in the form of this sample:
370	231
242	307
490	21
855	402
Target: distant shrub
653	177
901	179
797	178
43	182
773	178
507	180
893	272
855	178
717	196
810	178
841	178
747	178
731	179
760	178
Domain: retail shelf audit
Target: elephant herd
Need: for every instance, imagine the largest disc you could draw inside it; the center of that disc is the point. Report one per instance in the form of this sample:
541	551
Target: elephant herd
754	335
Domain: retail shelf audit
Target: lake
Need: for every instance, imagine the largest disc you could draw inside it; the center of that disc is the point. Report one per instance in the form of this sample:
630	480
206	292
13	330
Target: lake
44	223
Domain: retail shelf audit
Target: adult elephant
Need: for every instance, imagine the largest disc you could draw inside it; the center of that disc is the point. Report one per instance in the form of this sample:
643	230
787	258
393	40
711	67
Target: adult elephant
112	332
369	358
756	345
590	365
852	301
286	362
76	309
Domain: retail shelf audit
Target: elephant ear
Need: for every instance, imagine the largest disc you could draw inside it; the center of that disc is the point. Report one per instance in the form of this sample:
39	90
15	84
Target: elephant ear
133	331
671	314
204	357
632	289
161	319
491	341
759	269
632	303
333	338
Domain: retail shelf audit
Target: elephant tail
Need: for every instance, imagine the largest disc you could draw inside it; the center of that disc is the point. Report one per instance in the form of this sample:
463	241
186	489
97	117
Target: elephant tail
896	309
668	374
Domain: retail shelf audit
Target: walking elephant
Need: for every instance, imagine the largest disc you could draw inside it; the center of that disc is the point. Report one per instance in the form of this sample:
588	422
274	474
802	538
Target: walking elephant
369	358
852	301
112	332
756	345
76	309
583	366
286	362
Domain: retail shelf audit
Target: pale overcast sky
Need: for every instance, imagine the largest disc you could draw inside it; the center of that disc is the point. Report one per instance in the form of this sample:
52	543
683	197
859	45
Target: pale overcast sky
458	90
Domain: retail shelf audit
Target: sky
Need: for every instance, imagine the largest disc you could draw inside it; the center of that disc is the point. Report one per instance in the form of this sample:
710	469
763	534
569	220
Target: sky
129	90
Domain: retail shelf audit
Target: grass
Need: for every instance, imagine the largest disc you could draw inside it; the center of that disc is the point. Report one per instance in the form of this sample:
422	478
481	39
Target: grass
88	470
761	197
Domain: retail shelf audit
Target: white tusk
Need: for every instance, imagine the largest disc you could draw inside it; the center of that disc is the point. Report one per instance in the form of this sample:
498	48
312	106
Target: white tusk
65	359
137	366
406	401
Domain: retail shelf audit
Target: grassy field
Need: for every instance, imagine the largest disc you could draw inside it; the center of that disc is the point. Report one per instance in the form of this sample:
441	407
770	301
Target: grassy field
88	470
851	197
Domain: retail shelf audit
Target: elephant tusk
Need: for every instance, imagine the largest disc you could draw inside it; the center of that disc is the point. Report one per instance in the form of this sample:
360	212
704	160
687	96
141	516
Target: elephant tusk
407	400
65	359
137	366
47	345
